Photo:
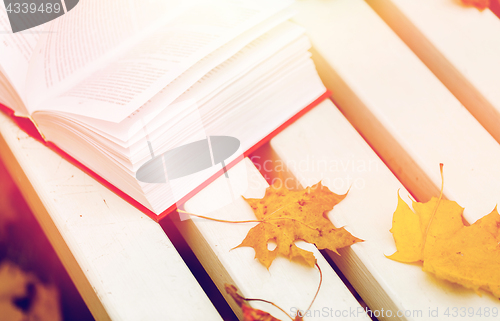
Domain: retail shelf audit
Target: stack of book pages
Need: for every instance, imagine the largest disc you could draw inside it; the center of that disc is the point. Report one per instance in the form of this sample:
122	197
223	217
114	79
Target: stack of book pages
117	84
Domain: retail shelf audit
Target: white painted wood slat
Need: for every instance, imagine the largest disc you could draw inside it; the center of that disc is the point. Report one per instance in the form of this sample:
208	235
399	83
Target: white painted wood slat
404	112
322	145
461	45
413	122
290	285
120	260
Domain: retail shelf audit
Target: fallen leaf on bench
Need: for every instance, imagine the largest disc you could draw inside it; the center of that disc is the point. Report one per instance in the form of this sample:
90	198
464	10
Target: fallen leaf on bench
249	313
287	216
435	233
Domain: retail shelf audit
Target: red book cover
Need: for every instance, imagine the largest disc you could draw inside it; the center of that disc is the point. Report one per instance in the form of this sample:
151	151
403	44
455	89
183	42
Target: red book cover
28	126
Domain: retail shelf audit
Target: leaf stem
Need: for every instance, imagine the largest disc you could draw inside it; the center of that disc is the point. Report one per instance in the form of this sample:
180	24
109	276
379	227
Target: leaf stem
275	305
218	220
319	287
247	221
314	299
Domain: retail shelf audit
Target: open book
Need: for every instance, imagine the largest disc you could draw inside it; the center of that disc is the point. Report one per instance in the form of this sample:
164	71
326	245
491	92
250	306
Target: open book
114	83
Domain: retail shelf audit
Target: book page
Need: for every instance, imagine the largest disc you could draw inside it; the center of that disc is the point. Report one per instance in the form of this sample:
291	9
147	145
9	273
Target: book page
89	37
286	43
258	41
115	92
7	93
15	53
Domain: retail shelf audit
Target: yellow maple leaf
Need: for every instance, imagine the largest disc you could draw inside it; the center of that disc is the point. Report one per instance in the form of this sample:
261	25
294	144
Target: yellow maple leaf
435	233
287	216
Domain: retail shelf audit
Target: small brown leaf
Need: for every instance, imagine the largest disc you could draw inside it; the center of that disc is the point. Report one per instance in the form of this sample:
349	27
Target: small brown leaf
249	313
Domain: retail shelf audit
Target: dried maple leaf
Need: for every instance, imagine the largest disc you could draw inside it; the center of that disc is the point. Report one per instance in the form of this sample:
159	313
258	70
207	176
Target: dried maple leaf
434	232
480	4
287	216
249	313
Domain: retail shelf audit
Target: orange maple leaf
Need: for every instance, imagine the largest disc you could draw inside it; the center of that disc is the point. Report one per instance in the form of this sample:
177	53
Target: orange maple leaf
287	216
434	232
